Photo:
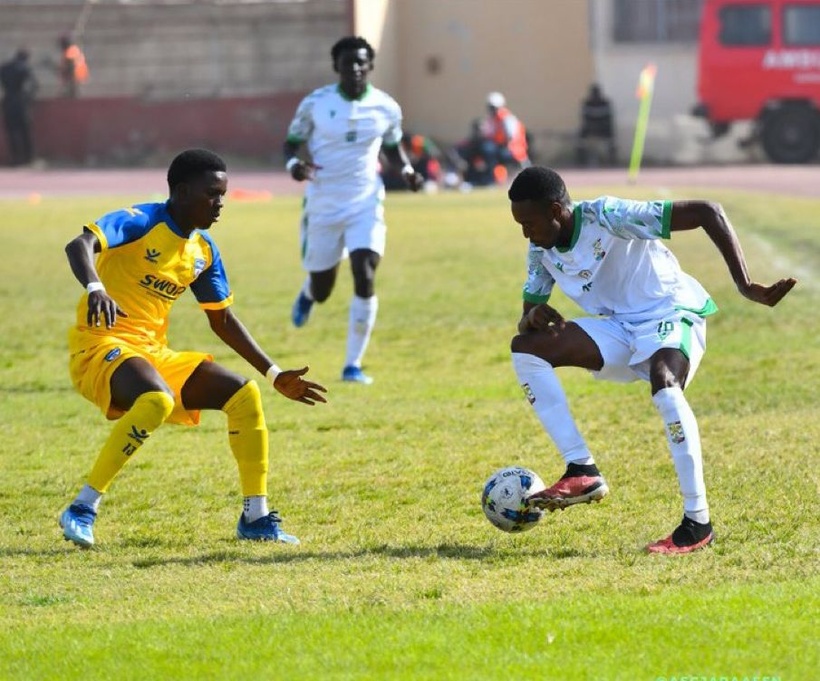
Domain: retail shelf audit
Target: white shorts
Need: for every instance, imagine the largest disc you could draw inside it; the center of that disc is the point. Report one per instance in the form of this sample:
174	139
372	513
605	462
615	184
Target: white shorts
627	348
329	237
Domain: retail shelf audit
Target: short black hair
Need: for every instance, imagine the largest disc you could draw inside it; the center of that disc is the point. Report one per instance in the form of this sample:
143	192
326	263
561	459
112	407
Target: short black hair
351	42
538	183
192	163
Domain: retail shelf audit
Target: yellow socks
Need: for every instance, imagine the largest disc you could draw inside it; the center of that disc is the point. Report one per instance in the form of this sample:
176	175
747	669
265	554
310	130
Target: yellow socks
248	437
247	434
134	427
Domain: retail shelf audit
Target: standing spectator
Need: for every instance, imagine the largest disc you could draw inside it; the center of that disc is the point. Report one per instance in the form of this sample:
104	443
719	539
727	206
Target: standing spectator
19	87
343	127
73	67
597	135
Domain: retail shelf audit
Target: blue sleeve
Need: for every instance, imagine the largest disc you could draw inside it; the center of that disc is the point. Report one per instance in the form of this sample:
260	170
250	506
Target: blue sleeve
124	226
211	287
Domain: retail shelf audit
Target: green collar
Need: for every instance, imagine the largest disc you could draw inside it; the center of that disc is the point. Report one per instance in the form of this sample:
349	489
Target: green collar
576	232
364	94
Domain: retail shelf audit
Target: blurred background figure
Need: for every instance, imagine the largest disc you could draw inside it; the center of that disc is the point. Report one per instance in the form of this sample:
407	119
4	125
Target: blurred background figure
439	165
73	67
19	88
497	143
596	139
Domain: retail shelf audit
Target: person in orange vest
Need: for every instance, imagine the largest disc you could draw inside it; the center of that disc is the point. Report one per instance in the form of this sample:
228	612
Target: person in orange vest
504	138
73	67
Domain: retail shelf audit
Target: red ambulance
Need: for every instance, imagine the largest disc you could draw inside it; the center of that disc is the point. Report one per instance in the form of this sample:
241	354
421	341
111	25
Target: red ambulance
759	60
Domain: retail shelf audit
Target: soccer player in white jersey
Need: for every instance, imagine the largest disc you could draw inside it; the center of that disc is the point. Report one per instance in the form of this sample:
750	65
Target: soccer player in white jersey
343	127
648	321
135	263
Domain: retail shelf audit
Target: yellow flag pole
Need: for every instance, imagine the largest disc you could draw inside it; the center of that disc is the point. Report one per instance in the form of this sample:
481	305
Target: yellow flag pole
646	87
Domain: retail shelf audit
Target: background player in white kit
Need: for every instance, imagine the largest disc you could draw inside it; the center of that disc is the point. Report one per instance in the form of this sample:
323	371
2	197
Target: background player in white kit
649	323
343	128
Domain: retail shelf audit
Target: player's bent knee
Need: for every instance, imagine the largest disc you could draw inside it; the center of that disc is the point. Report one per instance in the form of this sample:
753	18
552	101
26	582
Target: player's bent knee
246	404
158	405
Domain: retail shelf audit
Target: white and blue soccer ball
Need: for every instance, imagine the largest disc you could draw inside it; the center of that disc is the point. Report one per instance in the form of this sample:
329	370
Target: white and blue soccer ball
504	499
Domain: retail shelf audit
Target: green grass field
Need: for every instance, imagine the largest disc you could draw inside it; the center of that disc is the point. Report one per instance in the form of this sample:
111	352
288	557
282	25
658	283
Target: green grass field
399	575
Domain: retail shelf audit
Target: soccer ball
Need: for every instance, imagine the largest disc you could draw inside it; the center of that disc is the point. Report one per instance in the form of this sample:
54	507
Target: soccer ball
504	499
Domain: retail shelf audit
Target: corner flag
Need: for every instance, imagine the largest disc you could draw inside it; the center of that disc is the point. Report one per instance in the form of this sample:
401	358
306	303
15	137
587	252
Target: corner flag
646	86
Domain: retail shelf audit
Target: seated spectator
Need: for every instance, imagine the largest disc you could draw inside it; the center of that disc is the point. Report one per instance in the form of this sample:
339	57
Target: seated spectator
439	166
596	140
497	142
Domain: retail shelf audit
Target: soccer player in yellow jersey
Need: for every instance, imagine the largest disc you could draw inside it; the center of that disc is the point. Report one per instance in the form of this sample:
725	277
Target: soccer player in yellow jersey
119	356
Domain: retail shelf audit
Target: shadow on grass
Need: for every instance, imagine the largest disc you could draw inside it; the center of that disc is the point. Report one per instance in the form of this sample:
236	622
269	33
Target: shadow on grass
35	389
33	553
285	555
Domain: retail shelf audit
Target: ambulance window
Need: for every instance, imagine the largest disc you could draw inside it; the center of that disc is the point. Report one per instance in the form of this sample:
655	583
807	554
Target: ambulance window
801	25
746	25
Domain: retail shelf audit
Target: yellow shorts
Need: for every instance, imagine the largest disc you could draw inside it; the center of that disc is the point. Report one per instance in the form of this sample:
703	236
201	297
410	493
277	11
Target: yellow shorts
92	362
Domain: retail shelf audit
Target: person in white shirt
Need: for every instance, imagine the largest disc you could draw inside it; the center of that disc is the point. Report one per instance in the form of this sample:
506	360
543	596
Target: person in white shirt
648	321
343	127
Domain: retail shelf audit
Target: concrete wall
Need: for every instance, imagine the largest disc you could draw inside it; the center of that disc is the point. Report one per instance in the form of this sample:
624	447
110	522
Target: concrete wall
440	58
120	131
164	76
158	50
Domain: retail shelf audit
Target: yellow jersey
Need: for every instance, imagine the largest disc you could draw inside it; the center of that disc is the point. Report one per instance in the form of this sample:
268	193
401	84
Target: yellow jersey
146	264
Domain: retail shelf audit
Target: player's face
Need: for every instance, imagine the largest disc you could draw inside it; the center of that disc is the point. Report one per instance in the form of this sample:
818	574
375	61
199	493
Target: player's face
540	223
203	199
353	67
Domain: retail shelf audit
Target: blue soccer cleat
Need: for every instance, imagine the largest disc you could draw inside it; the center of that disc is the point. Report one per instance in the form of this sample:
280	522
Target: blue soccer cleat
77	522
300	313
266	528
353	374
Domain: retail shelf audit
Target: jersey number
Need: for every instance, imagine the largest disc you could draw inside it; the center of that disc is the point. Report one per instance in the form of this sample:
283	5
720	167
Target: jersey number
665	328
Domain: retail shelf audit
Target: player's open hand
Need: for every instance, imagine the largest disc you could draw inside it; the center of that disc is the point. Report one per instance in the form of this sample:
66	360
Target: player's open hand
102	306
291	384
545	318
768	295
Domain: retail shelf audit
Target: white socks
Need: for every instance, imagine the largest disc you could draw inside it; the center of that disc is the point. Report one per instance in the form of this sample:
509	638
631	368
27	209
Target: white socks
684	443
90	497
362	319
545	394
255	508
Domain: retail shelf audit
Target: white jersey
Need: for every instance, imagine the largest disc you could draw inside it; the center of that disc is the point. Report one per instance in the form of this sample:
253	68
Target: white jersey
616	264
343	137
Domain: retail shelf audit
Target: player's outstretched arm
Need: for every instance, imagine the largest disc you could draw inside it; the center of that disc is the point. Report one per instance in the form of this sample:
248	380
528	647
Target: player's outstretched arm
226	325
80	252
291	384
714	221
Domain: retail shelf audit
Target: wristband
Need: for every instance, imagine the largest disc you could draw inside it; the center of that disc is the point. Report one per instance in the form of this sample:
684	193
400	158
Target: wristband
94	286
291	163
272	372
